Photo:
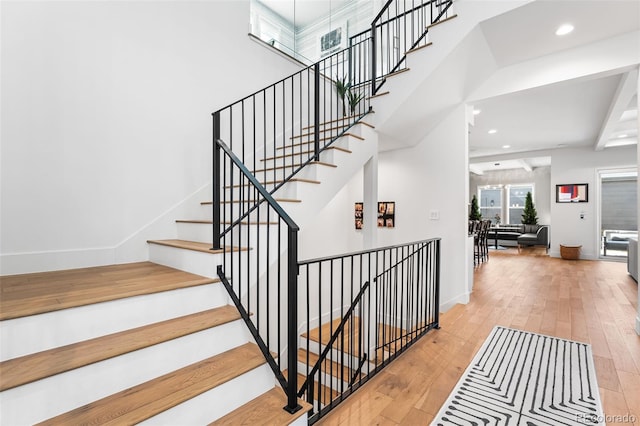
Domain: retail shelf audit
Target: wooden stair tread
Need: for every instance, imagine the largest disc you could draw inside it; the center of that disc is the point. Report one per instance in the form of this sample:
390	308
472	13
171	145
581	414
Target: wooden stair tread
210	222
275	182
194	245
415	49
290	166
37	293
280	200
395	73
337	120
324	130
329	367
323	334
377	95
442	21
148	399
321	140
29	368
266	409
337	148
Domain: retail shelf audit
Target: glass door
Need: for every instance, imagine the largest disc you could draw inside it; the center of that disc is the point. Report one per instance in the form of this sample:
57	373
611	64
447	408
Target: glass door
618	211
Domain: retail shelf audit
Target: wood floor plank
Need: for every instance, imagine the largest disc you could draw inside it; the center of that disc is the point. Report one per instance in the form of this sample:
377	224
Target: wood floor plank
26	369
141	402
264	410
568	299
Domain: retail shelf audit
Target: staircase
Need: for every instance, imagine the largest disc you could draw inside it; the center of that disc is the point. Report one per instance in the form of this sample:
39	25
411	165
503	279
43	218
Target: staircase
124	343
224	335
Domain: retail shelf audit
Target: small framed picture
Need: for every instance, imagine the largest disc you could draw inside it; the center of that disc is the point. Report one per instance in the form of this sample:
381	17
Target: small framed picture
386	214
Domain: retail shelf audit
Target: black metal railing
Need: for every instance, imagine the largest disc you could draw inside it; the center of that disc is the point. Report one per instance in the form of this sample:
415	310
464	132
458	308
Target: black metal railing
401	26
260	266
360	311
279	130
373	304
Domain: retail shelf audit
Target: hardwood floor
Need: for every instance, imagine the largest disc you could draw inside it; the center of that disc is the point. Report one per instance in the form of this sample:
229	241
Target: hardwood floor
589	301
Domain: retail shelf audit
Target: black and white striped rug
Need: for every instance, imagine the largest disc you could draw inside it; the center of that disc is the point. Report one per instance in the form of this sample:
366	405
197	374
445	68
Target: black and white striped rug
523	378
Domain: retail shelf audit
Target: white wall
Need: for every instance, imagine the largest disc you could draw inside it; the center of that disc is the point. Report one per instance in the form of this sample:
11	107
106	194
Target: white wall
106	118
540	177
581	166
426	179
420	180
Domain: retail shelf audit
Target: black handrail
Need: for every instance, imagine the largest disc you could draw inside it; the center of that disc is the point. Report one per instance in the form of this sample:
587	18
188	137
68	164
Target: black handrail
289	125
376	303
397	29
273	120
239	277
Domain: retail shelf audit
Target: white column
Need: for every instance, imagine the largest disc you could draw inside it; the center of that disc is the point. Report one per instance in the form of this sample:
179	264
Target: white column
638	254
370	213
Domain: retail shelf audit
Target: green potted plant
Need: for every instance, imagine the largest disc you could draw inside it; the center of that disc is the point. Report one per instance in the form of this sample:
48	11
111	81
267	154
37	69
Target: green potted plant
354	99
475	210
342	88
529	215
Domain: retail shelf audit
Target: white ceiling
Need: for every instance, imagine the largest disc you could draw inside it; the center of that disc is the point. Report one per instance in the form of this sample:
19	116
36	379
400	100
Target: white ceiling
595	111
529	31
559	115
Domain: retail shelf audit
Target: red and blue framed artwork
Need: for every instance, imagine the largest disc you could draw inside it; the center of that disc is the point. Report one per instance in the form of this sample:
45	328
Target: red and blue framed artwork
572	193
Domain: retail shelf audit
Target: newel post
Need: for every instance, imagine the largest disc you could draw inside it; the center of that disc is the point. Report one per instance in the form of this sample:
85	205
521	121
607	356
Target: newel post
292	322
216	182
316	111
373	58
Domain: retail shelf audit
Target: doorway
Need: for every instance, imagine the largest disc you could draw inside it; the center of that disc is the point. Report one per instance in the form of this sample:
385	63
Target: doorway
618	212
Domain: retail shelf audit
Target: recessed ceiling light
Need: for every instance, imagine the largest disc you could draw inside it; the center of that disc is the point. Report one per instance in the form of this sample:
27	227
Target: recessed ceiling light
561	145
564	29
476	111
496	164
506	146
623	136
492	131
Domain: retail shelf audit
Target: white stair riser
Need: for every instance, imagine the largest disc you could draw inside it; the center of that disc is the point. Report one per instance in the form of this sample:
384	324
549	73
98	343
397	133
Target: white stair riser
54	395
288	190
326	156
336	383
196	262
201	232
59	328
219	401
342	142
228	211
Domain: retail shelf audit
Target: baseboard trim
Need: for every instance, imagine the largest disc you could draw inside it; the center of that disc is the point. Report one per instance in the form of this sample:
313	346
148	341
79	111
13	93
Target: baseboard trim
461	298
55	260
131	249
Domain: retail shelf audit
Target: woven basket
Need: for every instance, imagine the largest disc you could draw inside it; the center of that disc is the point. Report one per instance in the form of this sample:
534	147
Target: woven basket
570	252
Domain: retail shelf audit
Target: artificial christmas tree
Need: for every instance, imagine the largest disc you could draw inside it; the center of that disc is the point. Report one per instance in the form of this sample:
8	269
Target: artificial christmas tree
475	210
530	215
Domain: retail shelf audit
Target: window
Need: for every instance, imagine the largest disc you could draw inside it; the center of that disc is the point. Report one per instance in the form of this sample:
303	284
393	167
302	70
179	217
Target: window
491	203
516	196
